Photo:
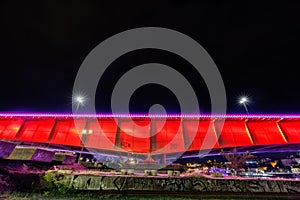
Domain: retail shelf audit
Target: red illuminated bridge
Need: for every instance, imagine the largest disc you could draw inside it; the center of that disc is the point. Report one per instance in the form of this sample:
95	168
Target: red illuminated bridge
170	133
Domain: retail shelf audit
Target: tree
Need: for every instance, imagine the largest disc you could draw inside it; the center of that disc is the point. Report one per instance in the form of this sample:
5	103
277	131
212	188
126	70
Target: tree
237	160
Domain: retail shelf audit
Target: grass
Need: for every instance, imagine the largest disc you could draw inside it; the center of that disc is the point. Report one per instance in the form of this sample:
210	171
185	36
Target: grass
46	196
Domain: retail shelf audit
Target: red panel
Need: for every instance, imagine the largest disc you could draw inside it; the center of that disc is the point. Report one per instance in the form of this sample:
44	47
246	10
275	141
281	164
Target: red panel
291	130
37	131
265	132
196	131
103	136
233	134
9	128
67	133
135	139
109	127
170	136
142	121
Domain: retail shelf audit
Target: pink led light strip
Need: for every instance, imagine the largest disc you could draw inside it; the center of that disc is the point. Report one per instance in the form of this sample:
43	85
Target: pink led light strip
150	116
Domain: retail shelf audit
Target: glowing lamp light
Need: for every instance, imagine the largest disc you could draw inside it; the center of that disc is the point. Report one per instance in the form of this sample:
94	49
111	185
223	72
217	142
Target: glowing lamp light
243	100
79	99
85	131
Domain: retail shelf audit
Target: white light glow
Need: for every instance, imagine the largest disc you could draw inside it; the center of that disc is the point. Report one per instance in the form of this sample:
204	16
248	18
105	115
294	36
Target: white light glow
243	100
80	99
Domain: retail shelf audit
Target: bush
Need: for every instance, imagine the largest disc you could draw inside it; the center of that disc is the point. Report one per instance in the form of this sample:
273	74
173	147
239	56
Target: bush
56	184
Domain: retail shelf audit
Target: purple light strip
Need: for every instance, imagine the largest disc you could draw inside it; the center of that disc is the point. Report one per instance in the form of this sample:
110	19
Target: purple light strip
277	116
252	152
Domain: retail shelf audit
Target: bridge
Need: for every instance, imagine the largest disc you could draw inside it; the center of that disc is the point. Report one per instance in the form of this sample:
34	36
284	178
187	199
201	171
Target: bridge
160	134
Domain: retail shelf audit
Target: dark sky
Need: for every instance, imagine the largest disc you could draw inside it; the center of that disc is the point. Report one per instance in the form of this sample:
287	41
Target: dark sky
255	46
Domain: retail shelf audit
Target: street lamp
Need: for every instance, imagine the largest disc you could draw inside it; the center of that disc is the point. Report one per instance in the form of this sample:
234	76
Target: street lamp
79	100
244	100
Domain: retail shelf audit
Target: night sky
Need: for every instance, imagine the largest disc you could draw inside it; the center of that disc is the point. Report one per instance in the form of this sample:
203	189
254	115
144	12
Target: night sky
255	46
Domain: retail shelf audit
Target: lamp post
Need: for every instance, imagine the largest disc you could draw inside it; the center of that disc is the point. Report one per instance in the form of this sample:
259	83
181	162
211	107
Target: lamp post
84	132
79	100
244	100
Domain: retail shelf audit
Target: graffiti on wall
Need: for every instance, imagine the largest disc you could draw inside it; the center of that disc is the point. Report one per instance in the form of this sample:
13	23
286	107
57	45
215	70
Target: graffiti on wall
200	184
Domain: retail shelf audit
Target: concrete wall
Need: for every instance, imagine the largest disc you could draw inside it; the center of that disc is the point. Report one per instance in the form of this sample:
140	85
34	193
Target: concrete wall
31	153
193	184
6	148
